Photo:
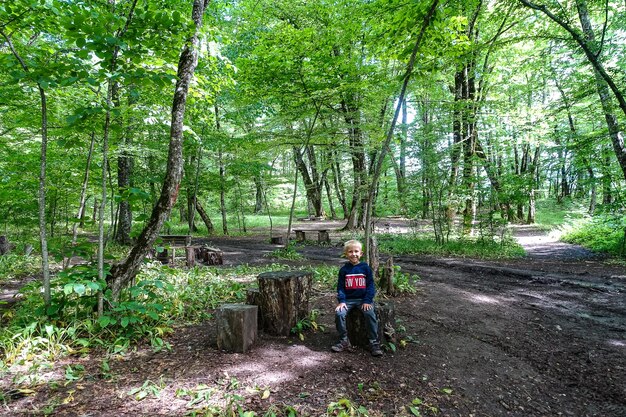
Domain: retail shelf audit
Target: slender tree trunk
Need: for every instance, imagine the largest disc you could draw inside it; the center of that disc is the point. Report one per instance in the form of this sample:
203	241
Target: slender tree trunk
43	238
379	163
223	192
258	202
42	196
311	182
338	184
593	192
83	190
124	272
124	178
205	217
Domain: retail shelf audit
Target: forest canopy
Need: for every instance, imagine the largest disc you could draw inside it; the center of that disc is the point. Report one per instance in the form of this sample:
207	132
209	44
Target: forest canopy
424	109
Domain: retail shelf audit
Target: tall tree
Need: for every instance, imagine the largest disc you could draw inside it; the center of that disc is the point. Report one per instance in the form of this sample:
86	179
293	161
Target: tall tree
122	273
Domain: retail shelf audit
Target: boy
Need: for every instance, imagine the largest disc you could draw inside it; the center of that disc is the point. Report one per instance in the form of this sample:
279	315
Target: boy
355	288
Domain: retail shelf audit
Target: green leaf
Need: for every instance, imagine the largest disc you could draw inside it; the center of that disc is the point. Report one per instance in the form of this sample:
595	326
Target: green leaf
125	321
79	289
81	42
104	321
415	411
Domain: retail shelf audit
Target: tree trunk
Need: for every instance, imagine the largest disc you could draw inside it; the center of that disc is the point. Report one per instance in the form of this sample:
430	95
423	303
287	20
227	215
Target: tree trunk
339	188
124	176
205	217
604	83
312	184
258	185
83	191
383	150
284	299
122	273
42	174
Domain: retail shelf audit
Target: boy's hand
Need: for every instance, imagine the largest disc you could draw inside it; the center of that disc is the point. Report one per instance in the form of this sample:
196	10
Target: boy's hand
366	307
340	306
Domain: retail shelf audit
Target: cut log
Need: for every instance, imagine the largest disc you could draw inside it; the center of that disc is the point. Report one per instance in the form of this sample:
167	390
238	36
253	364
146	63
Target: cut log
284	299
386	282
209	255
236	327
323	236
253	297
5	245
357	329
190	255
276	240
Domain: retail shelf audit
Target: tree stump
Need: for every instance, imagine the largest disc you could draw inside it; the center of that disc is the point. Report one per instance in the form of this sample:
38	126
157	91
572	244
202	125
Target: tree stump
5	245
190	256
253	297
236	327
386	282
276	240
284	299
209	255
163	257
357	329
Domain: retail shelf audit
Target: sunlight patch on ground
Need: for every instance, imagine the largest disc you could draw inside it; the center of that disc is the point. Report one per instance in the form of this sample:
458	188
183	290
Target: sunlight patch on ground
618	343
281	365
483	299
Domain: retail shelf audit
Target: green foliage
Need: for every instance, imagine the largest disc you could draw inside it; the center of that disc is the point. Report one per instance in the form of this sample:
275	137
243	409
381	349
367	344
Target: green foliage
604	233
148	388
289	252
404	283
553	214
417	245
345	408
16	266
307	323
418	405
326	276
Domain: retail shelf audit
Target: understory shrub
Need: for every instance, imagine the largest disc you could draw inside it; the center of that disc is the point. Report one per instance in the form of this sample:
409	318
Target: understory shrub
603	233
475	248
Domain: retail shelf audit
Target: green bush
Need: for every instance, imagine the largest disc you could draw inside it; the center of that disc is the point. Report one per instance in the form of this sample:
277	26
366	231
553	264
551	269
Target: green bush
474	248
603	233
16	266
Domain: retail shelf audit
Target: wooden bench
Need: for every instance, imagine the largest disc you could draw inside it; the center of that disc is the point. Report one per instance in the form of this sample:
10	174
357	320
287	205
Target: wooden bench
322	235
173	242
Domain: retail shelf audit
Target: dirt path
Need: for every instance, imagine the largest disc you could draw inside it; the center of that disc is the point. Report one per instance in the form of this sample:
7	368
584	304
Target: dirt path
541	336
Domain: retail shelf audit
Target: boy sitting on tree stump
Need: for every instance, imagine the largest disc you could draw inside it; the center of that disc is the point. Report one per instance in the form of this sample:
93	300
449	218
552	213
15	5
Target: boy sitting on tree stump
355	288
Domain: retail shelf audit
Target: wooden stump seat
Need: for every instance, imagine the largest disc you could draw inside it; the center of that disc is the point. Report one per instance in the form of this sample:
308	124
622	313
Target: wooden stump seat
236	327
357	329
283	299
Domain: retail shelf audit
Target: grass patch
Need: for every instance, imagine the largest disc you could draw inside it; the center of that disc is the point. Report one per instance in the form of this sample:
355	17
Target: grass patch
470	248
552	214
603	233
17	266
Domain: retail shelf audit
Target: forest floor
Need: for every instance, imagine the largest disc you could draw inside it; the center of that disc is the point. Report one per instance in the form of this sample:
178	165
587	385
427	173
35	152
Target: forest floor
540	336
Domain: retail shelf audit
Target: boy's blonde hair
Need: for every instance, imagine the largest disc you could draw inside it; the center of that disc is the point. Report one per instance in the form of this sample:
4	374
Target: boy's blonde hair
351	243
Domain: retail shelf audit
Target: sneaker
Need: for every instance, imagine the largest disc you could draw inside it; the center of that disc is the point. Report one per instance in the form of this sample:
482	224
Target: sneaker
375	350
341	346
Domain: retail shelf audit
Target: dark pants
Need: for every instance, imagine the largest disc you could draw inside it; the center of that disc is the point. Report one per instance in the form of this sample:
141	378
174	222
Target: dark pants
370	319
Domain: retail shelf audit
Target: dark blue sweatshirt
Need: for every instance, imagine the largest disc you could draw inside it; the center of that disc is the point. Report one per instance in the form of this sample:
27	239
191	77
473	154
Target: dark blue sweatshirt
356	282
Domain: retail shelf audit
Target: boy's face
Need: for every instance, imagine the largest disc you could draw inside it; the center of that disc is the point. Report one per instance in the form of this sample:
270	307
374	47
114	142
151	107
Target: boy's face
353	253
